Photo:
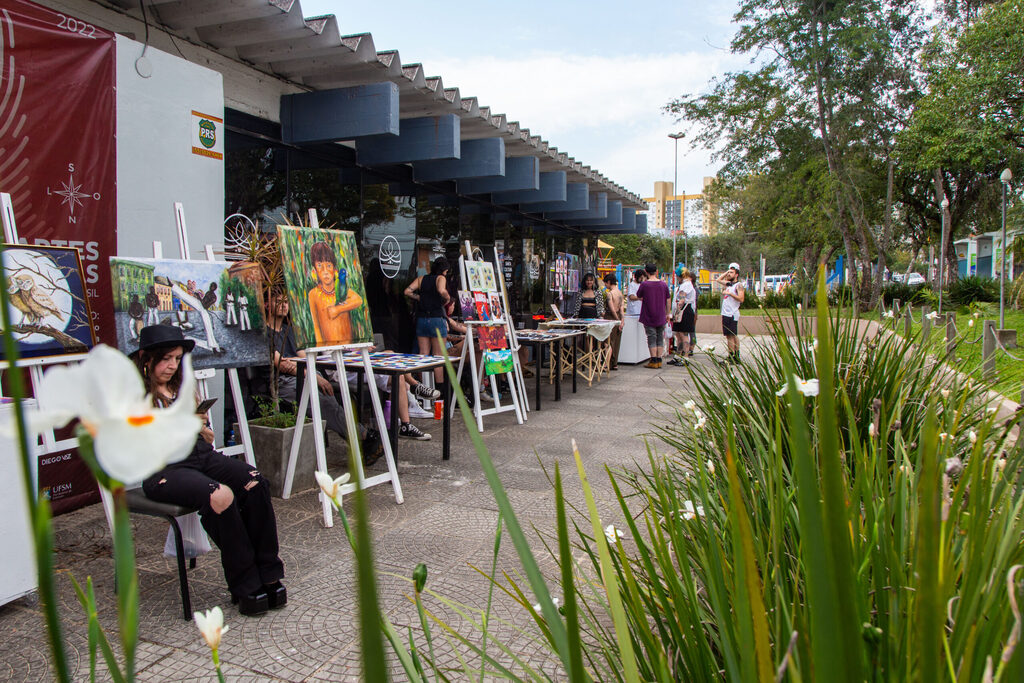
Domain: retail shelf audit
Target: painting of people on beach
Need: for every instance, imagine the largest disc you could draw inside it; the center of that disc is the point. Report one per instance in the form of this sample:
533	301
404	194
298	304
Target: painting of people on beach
47	301
216	304
325	287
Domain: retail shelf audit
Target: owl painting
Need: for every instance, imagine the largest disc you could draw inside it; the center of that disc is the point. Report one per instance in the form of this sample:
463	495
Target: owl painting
31	300
48	302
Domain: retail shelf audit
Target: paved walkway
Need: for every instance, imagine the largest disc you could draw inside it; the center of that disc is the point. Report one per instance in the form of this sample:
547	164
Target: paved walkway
448	521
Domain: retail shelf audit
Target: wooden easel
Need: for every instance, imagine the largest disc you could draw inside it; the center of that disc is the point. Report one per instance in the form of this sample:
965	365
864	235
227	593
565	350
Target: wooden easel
476	374
308	402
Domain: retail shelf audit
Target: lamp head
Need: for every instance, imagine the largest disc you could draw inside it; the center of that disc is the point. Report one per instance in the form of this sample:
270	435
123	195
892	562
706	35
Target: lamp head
676	136
945	203
1006	176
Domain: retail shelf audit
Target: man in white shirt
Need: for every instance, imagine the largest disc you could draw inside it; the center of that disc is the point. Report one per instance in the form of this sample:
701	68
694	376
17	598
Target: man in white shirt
732	297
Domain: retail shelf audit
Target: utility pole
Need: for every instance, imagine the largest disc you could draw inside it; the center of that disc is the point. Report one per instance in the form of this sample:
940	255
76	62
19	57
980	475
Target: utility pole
682	203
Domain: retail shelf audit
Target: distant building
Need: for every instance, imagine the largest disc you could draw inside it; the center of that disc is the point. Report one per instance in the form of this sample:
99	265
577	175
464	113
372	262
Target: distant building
669	213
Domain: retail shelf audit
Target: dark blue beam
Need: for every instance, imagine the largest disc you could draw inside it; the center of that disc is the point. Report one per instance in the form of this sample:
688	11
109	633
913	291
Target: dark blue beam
423	139
577	198
627	225
340	114
614	216
598	209
552	189
477	159
641	224
521	173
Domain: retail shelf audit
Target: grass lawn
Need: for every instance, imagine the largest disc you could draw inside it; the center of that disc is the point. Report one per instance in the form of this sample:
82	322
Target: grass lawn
1009	378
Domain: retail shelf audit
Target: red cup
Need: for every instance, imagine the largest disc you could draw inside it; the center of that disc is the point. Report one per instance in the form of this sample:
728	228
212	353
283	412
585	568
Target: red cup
438	410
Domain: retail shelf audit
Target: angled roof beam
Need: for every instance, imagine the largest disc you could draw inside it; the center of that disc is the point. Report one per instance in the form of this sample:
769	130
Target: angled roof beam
423	139
521	173
577	198
552	189
340	114
477	159
614	216
598	209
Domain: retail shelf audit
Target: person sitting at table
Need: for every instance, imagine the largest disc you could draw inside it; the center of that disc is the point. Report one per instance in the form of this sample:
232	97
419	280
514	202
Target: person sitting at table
233	498
588	303
285	351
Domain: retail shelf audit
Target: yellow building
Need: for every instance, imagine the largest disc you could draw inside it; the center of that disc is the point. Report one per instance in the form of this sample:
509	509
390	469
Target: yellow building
670	213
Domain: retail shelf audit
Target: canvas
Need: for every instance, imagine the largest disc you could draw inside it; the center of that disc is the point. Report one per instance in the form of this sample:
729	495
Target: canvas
491	337
497	310
466	304
474	276
483	309
325	287
214	303
497	362
490	284
48	305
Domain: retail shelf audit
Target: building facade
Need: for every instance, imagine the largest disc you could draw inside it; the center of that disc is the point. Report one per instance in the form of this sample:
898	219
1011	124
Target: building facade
669	213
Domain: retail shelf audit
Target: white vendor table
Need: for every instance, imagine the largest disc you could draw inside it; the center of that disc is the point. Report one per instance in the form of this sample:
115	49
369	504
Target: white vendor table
18	576
633	347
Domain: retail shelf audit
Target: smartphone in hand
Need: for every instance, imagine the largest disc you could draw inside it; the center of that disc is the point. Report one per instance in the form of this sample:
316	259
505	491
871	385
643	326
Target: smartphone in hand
205	405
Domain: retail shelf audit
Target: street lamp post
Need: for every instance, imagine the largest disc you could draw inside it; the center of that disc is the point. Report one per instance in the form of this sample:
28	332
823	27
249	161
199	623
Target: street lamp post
675	182
1005	177
942	248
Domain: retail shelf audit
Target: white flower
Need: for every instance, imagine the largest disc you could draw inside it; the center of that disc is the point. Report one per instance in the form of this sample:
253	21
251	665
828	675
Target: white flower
807	387
709	349
943	436
799	307
132	439
612	534
783	390
690	511
329	486
906	469
977	314
711	467
944	392
690	405
888	314
211	625
933	315
814	345
871	430
970	322
701	421
972	436
554	601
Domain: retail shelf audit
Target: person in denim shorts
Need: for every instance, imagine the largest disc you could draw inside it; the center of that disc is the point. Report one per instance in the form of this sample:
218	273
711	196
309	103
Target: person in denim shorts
430	292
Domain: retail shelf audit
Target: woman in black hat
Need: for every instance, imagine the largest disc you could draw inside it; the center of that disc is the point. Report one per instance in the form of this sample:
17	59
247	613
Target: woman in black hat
233	499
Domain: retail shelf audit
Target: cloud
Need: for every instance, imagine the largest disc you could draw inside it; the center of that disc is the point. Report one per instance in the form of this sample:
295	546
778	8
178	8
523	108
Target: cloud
604	111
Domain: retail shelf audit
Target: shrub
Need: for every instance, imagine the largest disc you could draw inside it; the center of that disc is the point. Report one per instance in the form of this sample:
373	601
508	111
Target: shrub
914	294
968	290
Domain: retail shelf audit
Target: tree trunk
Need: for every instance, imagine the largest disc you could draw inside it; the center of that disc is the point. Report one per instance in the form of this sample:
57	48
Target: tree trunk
883	244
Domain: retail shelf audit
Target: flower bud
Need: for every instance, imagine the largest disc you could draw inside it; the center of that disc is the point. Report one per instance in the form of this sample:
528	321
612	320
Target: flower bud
419	576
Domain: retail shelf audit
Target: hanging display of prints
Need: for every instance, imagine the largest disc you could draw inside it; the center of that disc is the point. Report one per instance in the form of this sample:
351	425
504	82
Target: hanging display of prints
494	301
497	362
325	286
481	306
213	303
492	337
466	304
490	284
474	276
47	301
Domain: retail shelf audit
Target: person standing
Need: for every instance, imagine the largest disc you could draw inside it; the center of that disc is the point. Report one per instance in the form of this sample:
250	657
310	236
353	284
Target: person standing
430	292
588	303
654	297
633	303
613	311
732	296
684	317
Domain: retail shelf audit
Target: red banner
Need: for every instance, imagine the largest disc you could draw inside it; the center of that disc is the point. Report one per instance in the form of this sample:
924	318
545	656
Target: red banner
58	163
57	144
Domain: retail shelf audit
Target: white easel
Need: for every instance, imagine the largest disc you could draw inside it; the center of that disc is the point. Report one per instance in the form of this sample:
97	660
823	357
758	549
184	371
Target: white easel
476	374
307	402
513	342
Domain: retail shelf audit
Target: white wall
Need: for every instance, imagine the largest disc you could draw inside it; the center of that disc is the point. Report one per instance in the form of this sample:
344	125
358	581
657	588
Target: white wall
155	163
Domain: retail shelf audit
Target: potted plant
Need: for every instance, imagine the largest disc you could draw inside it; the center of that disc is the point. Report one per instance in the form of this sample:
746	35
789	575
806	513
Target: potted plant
257	257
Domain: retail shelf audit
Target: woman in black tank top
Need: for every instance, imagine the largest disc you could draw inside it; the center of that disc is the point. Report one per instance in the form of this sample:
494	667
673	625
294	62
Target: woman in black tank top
430	292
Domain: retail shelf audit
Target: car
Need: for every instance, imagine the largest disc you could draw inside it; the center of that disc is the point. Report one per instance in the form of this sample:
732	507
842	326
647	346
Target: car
914	279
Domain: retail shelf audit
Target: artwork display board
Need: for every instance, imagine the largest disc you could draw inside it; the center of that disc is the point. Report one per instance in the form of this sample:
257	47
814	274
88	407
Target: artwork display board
325	287
498	362
492	337
48	303
214	303
482	307
467	305
474	275
490	284
495	304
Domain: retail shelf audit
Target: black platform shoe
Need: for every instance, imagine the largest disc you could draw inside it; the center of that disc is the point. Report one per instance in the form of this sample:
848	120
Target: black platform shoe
277	595
253	604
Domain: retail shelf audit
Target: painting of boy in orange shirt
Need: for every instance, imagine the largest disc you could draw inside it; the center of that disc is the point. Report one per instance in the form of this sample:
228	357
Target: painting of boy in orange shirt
331	321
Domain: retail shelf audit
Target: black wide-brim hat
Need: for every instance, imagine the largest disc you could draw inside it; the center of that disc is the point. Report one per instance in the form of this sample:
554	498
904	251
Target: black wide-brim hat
162	337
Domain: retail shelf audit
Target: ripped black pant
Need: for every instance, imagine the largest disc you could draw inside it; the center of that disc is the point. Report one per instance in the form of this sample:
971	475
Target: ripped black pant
246	532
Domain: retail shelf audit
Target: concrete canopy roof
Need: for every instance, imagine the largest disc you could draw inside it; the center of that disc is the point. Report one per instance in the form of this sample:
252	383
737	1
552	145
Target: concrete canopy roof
274	37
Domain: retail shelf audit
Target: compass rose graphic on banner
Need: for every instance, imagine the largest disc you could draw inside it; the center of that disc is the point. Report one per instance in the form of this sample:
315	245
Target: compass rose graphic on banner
72	193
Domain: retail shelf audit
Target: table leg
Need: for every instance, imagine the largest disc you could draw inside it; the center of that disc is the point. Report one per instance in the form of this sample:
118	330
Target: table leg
575	347
393	427
558	371
538	361
446	393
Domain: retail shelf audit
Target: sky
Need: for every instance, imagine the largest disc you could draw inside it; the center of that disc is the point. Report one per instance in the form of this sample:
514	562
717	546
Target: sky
591	77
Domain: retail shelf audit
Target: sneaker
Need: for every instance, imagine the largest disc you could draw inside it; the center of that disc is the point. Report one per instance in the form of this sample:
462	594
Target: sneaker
421	391
651	364
410	431
417	411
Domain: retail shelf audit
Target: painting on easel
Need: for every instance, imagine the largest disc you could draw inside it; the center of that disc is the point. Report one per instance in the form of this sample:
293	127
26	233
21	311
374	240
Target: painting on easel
325	286
48	305
214	303
492	337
